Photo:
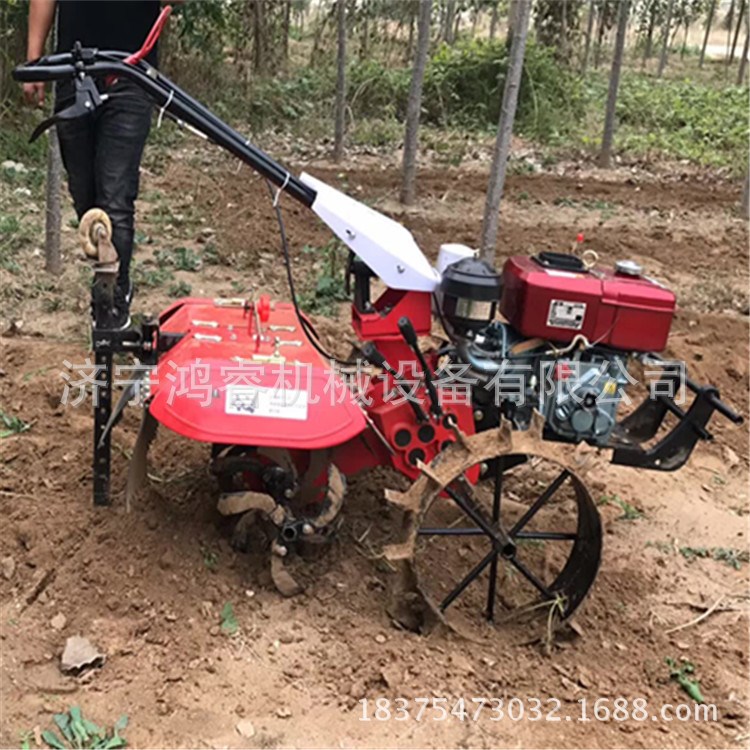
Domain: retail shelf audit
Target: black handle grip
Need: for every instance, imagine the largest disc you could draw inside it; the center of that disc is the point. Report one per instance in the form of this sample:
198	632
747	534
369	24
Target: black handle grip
407	331
373	355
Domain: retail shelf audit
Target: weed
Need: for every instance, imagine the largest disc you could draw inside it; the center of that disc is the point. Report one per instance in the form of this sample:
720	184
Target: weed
680	673
186	260
329	287
210	558
730	556
150	277
179	289
80	733
13	425
629	512
229	624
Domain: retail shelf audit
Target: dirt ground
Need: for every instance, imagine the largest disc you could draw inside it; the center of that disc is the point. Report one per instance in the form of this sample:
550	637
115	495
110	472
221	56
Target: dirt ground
147	587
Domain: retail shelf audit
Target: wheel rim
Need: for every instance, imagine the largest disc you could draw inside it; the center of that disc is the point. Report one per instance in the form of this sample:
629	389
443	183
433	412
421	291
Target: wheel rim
504	540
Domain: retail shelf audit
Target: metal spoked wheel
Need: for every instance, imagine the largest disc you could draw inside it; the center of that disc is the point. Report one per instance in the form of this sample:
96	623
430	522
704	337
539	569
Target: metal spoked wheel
524	538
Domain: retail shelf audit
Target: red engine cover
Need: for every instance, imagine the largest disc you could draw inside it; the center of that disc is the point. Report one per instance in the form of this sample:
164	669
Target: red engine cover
624	312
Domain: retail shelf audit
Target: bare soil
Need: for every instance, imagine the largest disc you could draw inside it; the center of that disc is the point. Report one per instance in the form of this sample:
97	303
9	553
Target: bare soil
147	587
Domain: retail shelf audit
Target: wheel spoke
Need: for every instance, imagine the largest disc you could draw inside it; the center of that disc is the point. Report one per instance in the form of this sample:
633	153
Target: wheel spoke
496	497
451	532
468	579
494	532
550	536
541	500
530	577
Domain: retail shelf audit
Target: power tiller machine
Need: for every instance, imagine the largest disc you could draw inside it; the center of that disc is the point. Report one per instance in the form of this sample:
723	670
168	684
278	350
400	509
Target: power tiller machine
496	427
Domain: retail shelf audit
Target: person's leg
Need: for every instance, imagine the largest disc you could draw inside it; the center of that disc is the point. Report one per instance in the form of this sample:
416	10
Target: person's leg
122	127
77	149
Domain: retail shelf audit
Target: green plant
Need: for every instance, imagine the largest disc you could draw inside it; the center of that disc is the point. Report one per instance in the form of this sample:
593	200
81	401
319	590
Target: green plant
14	425
181	258
730	556
629	512
146	277
329	288
229	624
179	289
210	558
80	733
680	673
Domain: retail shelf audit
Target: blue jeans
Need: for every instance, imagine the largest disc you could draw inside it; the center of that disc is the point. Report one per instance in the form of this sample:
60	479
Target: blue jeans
102	156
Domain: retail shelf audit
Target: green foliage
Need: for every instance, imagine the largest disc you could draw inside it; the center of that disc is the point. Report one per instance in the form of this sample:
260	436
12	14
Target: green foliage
146	277
180	258
629	512
329	287
732	557
463	87
681	674
179	289
229	624
701	122
13	425
80	733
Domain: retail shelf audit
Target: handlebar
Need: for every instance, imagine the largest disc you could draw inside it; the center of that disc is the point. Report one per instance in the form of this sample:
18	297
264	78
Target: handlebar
92	63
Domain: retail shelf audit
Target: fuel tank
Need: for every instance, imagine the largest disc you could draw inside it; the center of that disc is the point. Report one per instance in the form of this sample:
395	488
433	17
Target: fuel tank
551	296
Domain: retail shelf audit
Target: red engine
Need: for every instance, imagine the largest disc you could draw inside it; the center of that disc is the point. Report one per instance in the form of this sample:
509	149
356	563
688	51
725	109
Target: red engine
547	296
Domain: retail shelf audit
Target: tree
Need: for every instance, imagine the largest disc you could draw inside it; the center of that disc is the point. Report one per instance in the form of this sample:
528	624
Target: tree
53	213
665	40
340	113
414	104
587	43
605	156
737	30
505	131
709	21
449	30
743	59
493	20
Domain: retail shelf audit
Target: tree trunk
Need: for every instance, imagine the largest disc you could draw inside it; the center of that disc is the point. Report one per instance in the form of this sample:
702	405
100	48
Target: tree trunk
512	19
589	30
52	259
743	60
493	21
709	21
338	138
605	156
564	30
259	36
412	24
737	31
665	40
650	36
684	40
450	17
414	104
504	132
364	44
599	39
730	24
287	27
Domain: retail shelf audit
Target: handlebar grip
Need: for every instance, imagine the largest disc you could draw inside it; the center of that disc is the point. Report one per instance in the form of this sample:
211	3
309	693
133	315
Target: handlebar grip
372	354
36	72
407	331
